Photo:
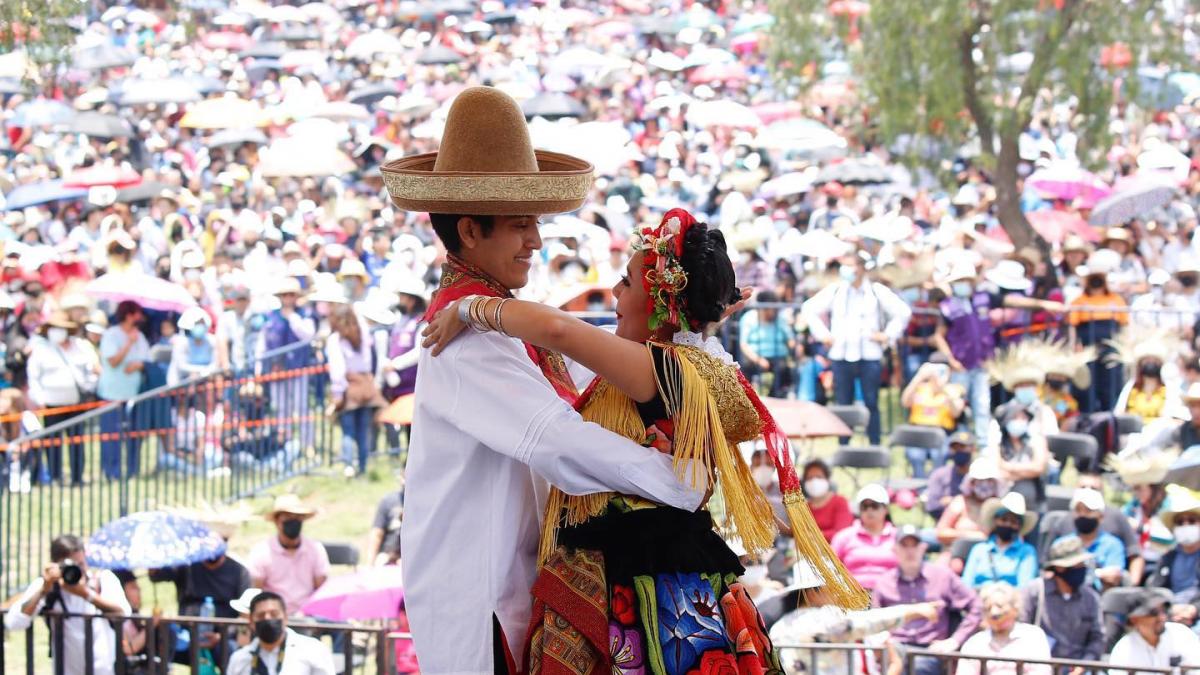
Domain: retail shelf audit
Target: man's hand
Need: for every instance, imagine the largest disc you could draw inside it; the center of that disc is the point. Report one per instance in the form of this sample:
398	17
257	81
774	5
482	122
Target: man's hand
763	363
925	610
80	589
944	646
880	337
51	575
1110	575
1184	614
957	365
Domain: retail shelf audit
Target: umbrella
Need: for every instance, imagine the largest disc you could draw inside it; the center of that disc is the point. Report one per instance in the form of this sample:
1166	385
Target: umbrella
887	229
668	61
722	113
749	23
805	419
10	85
816	244
414	105
227	40
1068	181
399	412
372	93
294	34
1163	157
144	191
580	62
1131	199
203	84
230	137
854	173
227	112
98	125
706	56
313	59
1056	226
103	174
341	110
787	185
438	55
152	540
103	56
264	50
24	196
369	593
778	111
146	290
42	112
172	90
552	105
367	45
1186	469
297	157
718	72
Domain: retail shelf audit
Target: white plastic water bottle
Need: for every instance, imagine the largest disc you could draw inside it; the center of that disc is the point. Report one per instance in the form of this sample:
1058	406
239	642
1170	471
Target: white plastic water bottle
207	611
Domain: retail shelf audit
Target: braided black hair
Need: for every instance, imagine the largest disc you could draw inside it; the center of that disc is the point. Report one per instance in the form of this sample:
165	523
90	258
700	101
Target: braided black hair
711	286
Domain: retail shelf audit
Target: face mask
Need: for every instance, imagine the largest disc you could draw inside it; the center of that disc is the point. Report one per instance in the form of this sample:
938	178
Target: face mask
1157	293
198	331
961	289
961	457
1074	577
1151	370
911	295
1188	281
268	630
985	489
1187	535
1026	396
1005	533
1057	385
816	487
291	528
847	273
56	335
1016	428
763	475
350	286
1095	283
1085	525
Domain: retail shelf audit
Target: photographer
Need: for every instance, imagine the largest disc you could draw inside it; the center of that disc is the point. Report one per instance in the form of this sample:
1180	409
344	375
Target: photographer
67	585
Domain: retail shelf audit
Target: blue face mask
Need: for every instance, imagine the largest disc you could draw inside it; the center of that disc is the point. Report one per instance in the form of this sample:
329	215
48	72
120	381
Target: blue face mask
847	273
1026	396
910	295
198	331
961	289
1016	428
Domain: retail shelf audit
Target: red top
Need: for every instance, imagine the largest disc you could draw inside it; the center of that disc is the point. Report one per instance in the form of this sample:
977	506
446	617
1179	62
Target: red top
834	517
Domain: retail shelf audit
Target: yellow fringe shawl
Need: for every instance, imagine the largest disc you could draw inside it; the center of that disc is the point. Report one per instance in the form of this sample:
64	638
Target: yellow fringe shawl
699	440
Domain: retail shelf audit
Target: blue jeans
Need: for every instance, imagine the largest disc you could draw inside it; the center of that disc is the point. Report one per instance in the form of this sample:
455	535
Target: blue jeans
119	422
846	374
917	457
979	398
356	435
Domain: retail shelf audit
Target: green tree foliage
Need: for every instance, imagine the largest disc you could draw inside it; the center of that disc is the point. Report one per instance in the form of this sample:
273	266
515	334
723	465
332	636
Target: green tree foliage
960	70
41	27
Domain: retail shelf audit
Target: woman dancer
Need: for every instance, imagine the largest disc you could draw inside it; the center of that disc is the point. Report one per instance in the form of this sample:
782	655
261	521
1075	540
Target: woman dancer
631	585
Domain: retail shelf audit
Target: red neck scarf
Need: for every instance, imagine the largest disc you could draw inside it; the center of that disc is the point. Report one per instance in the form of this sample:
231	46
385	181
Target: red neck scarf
460	279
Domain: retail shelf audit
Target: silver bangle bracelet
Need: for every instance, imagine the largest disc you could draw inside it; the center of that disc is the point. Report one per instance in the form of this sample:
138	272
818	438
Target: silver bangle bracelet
464	309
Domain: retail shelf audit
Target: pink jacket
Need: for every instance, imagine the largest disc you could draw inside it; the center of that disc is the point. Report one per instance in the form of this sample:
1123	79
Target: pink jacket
866	555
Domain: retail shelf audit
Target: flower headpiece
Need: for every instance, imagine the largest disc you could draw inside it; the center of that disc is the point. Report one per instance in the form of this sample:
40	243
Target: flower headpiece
664	277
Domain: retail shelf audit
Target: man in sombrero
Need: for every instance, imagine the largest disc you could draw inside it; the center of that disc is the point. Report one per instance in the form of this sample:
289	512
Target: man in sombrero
493	417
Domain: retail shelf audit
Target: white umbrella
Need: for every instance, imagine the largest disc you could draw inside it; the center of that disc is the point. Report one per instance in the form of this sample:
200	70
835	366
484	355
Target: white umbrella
817	244
1132	199
722	113
320	130
1164	157
375	42
604	144
789	184
888	229
667	61
799	135
302	157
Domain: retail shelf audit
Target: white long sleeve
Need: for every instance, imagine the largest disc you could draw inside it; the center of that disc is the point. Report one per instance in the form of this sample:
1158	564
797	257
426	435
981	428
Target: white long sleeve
814	310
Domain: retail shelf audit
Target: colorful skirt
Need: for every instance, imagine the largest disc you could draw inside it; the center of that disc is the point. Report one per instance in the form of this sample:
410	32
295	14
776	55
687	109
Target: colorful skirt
650	591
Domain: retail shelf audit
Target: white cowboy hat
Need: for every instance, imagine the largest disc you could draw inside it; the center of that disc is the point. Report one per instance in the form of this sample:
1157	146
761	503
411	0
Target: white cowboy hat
1010	276
291	504
1012	503
241	604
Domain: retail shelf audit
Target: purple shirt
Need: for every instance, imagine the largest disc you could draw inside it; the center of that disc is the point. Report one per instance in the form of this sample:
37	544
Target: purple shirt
935	582
969	329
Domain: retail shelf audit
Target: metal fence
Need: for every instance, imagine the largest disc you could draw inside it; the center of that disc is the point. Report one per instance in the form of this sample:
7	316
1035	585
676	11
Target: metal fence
216	438
367	649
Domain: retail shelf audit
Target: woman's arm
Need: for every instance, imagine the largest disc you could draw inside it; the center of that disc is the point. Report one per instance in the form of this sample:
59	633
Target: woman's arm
624	363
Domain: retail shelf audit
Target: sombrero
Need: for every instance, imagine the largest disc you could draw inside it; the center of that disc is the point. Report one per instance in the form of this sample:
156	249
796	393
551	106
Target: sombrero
487	166
1012	503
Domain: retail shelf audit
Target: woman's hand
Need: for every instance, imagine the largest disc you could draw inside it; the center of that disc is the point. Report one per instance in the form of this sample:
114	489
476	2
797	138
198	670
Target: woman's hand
443	329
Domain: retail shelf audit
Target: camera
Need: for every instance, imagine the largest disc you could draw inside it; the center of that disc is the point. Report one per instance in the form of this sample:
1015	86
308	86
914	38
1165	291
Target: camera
72	573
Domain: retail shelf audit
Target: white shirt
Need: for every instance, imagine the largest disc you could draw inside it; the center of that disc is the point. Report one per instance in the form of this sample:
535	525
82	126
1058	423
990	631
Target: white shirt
104	641
855	314
56	373
302	655
1024	641
1177	641
488	430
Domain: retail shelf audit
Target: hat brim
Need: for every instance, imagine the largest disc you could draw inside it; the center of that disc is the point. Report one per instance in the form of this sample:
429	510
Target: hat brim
988	518
1069	561
305	515
560	185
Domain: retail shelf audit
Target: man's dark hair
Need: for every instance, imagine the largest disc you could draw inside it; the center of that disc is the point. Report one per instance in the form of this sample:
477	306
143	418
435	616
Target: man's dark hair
446	227
63	546
267	596
125	308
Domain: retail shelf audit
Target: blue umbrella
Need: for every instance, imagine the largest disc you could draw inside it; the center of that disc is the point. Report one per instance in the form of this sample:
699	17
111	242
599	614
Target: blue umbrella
24	196
41	112
152	540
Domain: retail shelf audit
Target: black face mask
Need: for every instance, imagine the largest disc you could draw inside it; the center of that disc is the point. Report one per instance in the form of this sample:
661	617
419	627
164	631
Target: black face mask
1188	281
268	630
1005	533
1073	577
291	528
1095	283
961	457
1151	370
1085	525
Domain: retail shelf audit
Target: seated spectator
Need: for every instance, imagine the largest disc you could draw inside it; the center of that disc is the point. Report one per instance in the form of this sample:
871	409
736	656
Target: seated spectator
241	608
1152	641
914	581
1179	571
1064	606
829	509
767	344
946	481
288	563
1146	394
133	633
193	352
932	402
1113	522
1144	476
963	517
277	648
384	543
867	547
1018	442
1004	556
1004	636
197	447
1107	552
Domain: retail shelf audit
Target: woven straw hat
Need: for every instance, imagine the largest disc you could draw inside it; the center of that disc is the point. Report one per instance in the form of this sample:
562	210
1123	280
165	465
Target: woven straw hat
487	166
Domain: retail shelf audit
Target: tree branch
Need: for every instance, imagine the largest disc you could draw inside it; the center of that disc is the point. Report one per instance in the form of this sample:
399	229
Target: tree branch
1043	54
970	85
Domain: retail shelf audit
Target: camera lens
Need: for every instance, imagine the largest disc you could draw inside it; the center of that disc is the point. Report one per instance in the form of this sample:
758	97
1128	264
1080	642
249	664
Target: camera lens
71	573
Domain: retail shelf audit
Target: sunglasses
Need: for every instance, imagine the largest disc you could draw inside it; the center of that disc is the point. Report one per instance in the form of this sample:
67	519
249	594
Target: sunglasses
1187	520
870	506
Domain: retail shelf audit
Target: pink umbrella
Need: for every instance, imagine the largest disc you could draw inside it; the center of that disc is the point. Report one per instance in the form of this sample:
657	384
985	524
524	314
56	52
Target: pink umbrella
805	419
148	291
227	40
770	113
103	174
745	43
1068	182
1056	226
369	593
719	72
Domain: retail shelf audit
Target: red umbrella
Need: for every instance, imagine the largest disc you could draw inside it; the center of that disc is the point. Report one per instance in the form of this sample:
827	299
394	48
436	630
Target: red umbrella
805	419
719	72
103	174
227	40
